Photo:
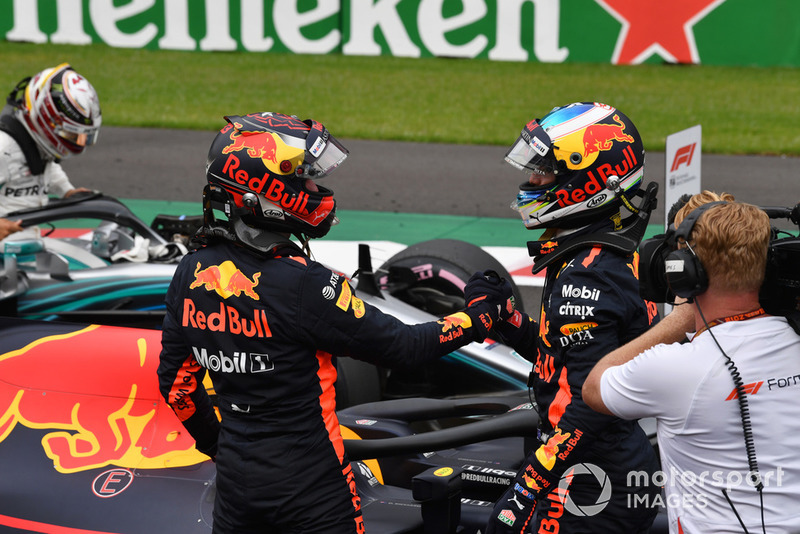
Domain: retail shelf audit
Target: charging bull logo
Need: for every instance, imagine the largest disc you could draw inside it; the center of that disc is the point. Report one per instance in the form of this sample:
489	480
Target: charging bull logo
548	247
259	145
544	328
455	321
602	136
453	325
226	279
531	483
97	407
546	454
273	152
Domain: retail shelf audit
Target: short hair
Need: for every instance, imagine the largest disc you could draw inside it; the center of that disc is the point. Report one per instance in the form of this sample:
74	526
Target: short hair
731	241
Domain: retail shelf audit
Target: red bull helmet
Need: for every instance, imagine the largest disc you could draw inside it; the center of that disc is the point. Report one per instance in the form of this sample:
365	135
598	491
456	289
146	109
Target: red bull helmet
60	110
268	164
597	156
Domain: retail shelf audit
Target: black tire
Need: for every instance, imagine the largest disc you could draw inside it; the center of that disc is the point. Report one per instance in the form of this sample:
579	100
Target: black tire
431	275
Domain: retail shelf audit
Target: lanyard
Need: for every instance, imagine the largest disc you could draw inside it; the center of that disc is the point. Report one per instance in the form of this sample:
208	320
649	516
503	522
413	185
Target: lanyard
738	317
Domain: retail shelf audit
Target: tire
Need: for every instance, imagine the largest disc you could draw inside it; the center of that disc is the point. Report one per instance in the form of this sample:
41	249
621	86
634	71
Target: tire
431	275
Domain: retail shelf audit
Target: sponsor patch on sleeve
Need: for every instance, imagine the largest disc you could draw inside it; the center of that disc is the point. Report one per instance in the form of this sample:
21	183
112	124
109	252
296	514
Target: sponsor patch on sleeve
345	296
507	517
358	307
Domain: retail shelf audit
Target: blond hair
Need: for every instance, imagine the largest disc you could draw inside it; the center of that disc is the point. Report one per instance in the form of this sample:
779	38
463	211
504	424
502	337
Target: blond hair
730	240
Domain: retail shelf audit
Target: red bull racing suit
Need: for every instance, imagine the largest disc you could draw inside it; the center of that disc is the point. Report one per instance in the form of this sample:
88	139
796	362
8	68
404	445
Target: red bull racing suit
268	329
577	478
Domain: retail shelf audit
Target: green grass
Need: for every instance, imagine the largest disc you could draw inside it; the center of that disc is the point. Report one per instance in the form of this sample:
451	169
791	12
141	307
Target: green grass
743	110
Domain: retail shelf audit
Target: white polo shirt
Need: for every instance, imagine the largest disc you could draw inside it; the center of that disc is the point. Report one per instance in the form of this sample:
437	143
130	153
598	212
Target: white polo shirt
688	388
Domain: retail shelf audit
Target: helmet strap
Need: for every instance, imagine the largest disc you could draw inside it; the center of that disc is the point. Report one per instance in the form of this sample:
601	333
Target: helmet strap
13	98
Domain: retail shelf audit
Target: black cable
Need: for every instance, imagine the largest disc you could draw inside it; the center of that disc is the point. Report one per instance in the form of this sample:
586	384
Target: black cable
744	412
730	503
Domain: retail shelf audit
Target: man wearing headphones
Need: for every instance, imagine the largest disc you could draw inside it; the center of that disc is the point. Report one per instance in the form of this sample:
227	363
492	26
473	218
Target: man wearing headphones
726	401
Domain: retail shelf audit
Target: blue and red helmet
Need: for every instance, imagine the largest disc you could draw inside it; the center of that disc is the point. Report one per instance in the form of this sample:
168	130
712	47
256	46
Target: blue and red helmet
268	163
596	155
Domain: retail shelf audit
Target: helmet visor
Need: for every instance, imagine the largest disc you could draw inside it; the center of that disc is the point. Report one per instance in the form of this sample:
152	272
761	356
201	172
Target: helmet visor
532	150
54	122
323	154
82	137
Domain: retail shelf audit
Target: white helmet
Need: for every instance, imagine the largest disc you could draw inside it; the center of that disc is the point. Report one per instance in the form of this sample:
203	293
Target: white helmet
60	110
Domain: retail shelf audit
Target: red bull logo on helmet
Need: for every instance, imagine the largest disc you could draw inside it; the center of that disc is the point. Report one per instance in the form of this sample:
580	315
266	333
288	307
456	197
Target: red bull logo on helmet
273	152
226	280
297	204
597	137
259	145
597	182
93	408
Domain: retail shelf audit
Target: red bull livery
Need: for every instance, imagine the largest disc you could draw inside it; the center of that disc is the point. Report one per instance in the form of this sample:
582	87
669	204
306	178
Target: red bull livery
596	155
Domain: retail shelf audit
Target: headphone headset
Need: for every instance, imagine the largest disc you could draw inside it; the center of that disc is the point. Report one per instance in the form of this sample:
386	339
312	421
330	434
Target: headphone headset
685	274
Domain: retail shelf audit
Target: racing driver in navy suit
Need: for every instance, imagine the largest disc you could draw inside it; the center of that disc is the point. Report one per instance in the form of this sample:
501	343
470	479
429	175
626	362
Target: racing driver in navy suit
584	161
251	308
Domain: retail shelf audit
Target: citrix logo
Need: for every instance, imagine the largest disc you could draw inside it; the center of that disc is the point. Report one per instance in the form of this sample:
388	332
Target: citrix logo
576	310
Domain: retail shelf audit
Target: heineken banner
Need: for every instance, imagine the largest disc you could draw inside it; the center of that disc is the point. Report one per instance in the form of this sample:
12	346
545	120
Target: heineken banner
712	32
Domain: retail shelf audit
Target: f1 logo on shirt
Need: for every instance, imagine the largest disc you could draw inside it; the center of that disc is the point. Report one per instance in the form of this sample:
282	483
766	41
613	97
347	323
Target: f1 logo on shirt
749	389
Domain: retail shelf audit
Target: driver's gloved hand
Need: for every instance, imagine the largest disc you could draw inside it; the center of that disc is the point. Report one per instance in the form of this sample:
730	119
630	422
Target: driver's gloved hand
489	299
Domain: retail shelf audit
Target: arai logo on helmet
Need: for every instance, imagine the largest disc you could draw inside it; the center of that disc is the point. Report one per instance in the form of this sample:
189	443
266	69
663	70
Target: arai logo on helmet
273	214
596	201
538	146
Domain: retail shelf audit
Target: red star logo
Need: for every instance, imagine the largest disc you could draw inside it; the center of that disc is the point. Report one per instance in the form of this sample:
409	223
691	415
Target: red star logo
657	27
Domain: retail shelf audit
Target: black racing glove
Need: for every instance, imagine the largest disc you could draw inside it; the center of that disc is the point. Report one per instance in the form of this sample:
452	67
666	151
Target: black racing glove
489	299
